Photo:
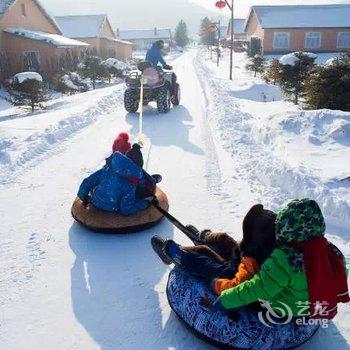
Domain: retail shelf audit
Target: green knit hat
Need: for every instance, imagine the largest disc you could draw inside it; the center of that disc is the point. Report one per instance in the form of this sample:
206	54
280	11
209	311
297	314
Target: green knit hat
300	221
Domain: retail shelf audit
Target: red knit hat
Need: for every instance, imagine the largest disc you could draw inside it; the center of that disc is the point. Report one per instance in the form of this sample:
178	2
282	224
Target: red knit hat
121	143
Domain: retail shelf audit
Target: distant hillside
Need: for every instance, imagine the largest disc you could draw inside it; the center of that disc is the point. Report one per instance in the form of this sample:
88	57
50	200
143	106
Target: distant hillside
136	13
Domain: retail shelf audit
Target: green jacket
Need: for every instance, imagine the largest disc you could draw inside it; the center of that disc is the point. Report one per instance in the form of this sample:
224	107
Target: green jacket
277	281
282	276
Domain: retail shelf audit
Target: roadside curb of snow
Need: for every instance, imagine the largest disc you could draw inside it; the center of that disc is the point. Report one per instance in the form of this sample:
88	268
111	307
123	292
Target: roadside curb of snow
43	142
270	179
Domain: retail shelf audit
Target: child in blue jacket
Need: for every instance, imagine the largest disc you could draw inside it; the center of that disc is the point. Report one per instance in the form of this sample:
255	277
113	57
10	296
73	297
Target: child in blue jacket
113	188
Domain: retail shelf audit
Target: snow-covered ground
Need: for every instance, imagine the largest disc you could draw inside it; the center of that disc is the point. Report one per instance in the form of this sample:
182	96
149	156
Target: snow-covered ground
221	151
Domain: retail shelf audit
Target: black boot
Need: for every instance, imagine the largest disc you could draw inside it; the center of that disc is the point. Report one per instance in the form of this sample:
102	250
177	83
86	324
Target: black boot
159	246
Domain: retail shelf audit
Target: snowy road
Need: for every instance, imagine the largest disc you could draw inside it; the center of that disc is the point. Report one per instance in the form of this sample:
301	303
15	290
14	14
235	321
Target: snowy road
62	287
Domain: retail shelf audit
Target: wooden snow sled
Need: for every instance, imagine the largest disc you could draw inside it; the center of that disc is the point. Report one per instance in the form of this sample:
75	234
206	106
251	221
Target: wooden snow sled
114	223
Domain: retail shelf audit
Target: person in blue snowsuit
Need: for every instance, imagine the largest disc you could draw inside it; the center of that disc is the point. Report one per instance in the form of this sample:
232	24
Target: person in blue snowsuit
155	57
115	187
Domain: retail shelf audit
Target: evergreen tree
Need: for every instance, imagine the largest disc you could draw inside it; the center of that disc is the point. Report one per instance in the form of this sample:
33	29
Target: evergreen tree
254	47
256	64
205	36
93	68
181	34
329	86
292	77
30	93
272	73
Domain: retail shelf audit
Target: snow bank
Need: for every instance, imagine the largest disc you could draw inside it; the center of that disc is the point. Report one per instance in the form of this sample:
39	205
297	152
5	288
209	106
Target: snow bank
26	139
282	151
291	58
21	77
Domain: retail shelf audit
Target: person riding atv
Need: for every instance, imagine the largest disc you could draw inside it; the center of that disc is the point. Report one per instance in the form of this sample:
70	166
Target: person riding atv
155	57
159	86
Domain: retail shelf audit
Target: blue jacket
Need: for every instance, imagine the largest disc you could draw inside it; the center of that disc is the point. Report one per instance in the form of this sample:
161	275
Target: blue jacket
154	56
110	187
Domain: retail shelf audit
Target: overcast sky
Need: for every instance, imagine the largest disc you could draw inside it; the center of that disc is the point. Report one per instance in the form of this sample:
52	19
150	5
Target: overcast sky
161	13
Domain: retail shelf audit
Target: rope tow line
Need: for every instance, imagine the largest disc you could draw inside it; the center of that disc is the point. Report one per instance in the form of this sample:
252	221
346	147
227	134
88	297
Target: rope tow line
141	138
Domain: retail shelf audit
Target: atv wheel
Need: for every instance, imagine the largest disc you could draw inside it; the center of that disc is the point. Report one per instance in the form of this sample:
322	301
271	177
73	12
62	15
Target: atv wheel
175	99
131	100
163	100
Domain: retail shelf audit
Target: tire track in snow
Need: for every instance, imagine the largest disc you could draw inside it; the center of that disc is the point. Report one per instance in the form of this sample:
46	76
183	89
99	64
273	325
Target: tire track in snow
214	177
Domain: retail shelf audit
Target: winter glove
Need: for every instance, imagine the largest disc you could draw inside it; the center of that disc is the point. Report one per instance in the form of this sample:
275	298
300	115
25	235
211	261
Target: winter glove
167	67
152	200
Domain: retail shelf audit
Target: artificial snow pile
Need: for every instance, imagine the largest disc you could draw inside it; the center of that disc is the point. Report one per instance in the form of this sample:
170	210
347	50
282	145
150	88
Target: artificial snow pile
19	78
53	39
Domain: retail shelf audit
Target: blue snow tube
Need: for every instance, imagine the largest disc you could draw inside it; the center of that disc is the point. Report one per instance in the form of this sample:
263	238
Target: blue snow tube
244	331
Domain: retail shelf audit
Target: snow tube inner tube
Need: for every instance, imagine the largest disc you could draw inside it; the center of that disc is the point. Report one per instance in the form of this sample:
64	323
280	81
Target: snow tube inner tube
107	222
185	294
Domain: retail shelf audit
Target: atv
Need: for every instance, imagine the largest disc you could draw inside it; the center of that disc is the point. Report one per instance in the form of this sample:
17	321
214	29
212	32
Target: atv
158	86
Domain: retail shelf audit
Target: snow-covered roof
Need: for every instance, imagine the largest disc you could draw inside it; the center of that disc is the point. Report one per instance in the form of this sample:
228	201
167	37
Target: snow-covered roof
238	25
303	16
134	34
6	4
88	26
53	39
116	40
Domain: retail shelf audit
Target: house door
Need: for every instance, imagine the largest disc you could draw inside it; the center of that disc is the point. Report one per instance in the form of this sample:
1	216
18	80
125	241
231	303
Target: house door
31	61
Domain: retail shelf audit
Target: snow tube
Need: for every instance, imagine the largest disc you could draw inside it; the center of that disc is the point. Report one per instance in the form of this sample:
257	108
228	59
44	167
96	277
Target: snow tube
185	294
107	222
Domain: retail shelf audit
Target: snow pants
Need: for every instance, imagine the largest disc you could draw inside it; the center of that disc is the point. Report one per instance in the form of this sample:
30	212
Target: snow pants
218	257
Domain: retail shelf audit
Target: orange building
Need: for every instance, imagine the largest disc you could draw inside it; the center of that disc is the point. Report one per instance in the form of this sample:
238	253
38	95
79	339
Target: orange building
288	28
30	40
96	31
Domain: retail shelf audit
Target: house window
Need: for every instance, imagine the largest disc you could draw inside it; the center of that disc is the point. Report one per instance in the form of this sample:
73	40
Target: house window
343	40
281	40
31	61
313	40
23	9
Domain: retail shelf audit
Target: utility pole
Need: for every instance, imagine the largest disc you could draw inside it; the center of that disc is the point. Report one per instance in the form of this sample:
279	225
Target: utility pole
221	4
231	7
218	48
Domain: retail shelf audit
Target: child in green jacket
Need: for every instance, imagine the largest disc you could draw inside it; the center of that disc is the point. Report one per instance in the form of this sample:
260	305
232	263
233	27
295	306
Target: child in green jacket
304	271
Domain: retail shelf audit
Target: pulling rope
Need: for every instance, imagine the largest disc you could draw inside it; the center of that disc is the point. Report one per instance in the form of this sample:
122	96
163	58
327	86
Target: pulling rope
140	134
141	137
175	222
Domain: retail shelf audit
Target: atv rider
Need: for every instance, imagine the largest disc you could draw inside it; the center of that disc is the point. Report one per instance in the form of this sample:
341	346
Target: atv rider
155	57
